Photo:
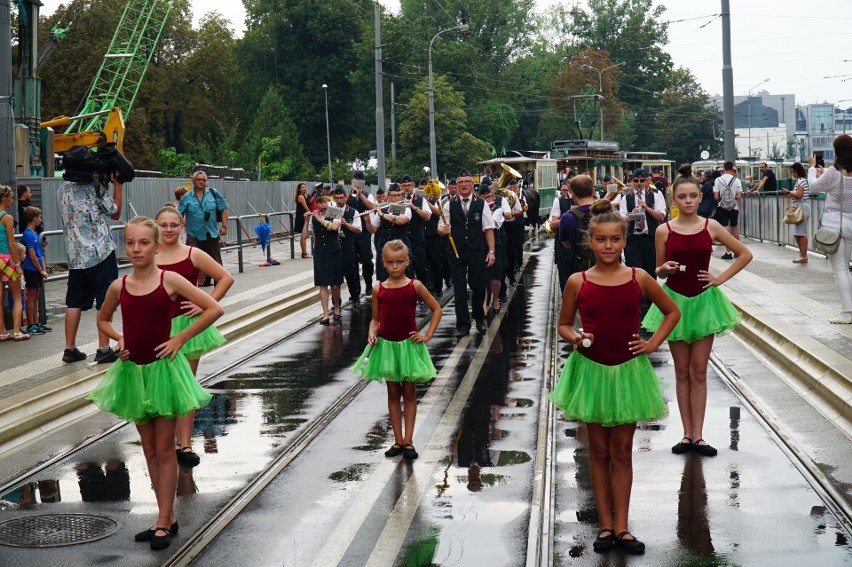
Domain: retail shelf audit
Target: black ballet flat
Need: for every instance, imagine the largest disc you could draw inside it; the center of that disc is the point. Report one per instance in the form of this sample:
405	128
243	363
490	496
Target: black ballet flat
148	535
324	322
337	316
632	545
604	543
163	541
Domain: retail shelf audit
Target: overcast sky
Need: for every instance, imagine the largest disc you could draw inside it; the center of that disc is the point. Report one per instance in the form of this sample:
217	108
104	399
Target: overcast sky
773	39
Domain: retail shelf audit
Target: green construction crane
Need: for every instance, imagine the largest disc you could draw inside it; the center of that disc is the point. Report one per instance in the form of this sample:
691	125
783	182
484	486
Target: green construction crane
123	66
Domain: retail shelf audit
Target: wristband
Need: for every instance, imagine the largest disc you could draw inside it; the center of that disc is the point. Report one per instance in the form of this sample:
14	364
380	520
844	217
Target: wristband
491	251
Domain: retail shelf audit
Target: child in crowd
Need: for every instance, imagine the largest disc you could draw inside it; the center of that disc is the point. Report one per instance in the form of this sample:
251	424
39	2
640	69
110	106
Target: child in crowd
11	269
189	262
34	270
684	246
396	352
151	384
608	382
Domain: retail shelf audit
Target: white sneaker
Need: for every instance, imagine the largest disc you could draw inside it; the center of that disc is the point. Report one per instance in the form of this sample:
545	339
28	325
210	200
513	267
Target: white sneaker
842	319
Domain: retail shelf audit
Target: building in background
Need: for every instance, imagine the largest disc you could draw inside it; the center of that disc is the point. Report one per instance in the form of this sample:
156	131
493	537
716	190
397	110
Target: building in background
783	104
816	129
843	120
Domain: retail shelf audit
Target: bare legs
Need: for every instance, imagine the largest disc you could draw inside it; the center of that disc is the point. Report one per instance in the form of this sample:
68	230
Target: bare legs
611	473
158	446
802	243
303	240
408	393
690	361
183	425
17	309
323	291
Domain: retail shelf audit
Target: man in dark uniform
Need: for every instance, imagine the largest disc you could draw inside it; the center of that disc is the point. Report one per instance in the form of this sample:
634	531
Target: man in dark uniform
562	203
436	246
472	229
361	200
420	214
446	251
350	231
389	225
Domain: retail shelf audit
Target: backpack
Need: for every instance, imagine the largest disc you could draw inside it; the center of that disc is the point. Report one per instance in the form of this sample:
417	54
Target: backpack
584	257
727	200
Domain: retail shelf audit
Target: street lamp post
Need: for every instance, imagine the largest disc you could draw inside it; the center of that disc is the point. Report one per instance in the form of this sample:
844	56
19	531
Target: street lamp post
764	81
600	87
433	150
328	135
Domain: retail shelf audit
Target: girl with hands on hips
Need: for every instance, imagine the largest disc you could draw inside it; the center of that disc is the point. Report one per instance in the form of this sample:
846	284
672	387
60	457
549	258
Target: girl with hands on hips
684	247
608	382
151	383
396	351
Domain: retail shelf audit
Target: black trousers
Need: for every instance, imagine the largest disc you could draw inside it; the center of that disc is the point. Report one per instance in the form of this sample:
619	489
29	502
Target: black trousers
468	273
209	245
511	236
563	263
436	251
421	264
520	235
350	271
364	252
640	253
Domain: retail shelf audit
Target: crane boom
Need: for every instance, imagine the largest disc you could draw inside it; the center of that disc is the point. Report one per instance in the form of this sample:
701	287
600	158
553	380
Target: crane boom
124	64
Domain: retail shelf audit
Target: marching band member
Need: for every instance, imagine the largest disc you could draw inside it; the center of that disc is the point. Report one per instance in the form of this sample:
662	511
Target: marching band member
362	200
350	233
500	212
328	267
388	226
420	214
472	228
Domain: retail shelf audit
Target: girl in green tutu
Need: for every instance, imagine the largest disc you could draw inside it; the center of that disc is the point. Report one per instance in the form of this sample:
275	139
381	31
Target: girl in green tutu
396	352
151	383
189	262
684	246
608	382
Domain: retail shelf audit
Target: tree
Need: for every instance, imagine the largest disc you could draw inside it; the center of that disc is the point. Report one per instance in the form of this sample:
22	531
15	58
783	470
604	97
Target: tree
173	164
273	139
456	147
494	122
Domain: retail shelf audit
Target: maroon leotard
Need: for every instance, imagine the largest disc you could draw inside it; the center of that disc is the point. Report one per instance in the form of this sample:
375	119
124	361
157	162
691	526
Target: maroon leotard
188	270
397	306
611	314
692	251
144	324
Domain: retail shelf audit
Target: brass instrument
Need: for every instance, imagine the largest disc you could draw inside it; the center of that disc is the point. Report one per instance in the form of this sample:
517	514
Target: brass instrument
509	173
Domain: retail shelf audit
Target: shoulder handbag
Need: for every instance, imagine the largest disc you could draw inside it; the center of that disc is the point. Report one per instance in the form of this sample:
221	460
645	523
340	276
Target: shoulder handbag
795	214
216	194
828	240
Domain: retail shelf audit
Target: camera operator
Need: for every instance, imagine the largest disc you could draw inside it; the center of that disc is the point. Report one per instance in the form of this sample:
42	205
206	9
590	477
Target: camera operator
85	211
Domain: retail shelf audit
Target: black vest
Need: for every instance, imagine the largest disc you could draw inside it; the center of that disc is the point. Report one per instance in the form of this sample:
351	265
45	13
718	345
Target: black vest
467	230
325	240
650	221
416	225
391	231
356	203
431	228
565	205
348	240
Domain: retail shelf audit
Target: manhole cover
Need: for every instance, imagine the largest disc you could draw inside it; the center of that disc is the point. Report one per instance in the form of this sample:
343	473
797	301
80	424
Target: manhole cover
55	530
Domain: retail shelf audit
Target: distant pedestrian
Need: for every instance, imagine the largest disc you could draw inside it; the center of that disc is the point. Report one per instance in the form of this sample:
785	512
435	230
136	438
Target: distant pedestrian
152	382
768	182
11	269
608	382
836	183
302	211
800	195
684	246
189	262
707	206
34	268
203	208
397	353
728	191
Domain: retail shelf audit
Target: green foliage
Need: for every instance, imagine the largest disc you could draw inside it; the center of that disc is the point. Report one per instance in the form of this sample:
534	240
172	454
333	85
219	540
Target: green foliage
274	141
173	164
456	147
494	122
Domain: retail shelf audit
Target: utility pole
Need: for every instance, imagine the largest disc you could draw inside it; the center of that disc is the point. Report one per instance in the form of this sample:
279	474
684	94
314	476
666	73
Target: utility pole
393	128
728	82
8	173
380	110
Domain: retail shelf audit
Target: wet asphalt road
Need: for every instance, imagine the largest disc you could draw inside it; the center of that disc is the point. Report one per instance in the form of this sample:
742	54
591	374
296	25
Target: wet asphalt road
466	501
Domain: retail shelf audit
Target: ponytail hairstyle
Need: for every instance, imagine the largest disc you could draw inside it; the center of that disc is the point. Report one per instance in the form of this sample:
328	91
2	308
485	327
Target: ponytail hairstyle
602	212
685	170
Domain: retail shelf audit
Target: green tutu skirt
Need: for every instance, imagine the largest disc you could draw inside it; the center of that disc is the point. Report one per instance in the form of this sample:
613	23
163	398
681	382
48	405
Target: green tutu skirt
200	344
708	313
164	388
609	395
395	361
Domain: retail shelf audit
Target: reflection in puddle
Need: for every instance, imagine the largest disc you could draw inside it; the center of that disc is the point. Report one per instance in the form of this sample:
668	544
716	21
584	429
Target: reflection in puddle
351	473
